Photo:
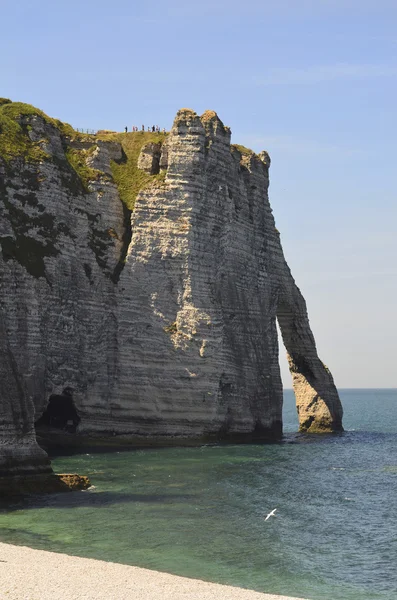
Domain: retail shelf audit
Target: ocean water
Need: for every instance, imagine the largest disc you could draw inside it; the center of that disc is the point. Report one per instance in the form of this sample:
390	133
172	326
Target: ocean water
198	512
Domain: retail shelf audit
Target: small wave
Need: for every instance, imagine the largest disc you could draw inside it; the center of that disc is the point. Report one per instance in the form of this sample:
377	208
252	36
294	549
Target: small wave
89	489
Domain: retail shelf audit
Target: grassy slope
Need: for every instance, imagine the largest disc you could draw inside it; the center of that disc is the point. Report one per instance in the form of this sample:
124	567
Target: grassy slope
77	160
14	139
128	178
15	143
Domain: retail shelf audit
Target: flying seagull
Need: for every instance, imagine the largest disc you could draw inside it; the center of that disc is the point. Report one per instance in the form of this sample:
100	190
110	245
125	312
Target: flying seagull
271	514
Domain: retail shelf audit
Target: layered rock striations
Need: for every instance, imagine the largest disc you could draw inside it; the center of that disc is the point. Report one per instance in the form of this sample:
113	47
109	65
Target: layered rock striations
146	275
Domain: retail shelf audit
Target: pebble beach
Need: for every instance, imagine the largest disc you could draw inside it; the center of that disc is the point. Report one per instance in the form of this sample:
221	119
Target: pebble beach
27	574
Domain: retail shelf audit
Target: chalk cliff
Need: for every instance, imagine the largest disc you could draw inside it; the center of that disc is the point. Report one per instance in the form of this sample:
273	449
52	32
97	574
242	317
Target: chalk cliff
144	273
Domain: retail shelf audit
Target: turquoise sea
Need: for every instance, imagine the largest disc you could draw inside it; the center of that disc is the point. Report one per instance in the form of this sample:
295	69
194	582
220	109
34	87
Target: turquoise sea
199	512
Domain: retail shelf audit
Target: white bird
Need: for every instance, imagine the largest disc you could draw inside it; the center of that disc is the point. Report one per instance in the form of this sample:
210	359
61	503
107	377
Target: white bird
271	514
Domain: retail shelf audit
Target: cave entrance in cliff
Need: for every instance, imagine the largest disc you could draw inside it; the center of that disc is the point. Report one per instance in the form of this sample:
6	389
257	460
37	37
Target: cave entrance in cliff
60	413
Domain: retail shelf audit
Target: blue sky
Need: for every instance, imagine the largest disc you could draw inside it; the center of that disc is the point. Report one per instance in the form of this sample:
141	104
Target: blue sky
314	82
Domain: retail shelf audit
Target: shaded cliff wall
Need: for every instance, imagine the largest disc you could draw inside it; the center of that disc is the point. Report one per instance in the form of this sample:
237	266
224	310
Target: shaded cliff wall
60	248
19	451
163	320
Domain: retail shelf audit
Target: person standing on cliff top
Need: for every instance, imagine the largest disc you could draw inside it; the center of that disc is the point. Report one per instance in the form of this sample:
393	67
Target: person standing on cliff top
143	128
125	129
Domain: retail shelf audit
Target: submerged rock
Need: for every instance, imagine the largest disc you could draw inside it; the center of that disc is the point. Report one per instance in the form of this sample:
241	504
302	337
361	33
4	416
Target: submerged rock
147	279
42	484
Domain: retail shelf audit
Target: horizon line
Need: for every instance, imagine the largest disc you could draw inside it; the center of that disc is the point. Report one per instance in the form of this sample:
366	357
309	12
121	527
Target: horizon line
354	388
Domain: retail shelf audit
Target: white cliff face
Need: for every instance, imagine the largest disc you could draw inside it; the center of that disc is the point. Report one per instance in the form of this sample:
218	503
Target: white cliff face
162	322
197	336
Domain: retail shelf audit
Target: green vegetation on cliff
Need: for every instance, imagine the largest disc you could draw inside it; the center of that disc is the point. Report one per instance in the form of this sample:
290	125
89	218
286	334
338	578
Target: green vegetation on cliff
77	160
29	138
34	234
16	120
15	126
15	142
18	110
129	179
242	149
14	138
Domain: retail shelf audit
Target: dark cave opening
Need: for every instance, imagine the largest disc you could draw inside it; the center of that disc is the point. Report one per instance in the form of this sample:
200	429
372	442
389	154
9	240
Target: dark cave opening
60	413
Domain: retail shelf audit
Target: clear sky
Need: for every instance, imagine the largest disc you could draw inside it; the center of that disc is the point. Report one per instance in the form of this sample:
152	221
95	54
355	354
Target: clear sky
314	82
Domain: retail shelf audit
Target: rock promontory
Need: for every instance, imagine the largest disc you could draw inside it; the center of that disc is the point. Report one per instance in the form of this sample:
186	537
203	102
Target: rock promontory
141	279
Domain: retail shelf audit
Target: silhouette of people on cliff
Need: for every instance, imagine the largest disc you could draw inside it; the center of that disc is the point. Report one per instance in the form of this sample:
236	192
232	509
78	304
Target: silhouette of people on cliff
153	129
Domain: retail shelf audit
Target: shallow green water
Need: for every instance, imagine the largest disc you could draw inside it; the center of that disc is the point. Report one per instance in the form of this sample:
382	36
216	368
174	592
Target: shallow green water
199	511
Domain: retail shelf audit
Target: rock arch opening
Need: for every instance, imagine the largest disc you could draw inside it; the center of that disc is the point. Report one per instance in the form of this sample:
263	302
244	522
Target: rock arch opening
317	401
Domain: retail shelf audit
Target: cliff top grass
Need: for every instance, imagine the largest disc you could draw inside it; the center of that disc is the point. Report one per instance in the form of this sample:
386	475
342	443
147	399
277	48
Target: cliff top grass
16	143
242	149
129	179
14	138
16	110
